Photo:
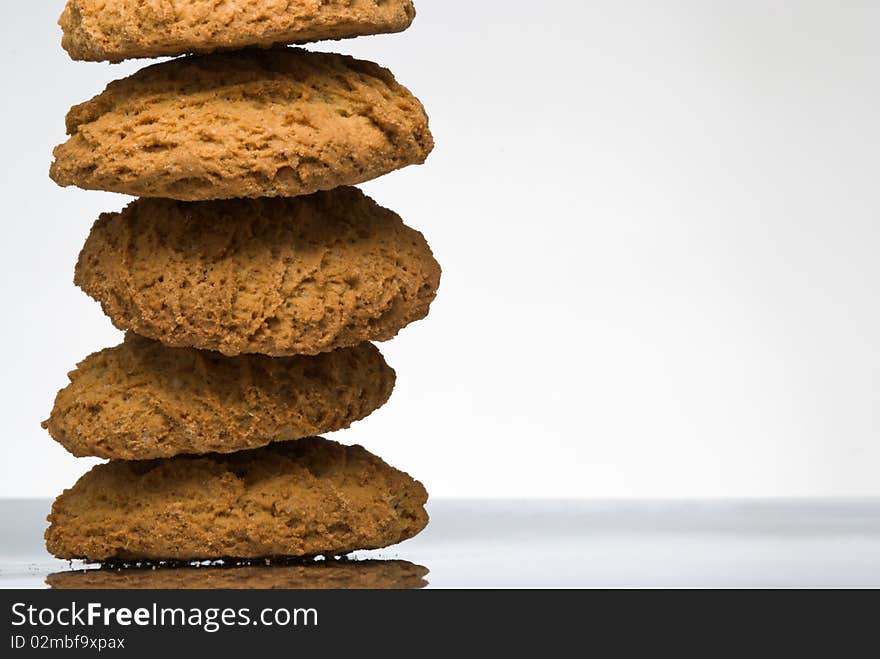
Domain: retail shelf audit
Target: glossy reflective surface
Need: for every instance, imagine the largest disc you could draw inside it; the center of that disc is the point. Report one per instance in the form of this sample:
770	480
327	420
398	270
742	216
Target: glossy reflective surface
474	544
314	575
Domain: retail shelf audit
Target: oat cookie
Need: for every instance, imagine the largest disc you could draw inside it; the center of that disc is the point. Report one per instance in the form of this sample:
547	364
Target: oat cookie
143	400
114	30
258	123
303	498
276	276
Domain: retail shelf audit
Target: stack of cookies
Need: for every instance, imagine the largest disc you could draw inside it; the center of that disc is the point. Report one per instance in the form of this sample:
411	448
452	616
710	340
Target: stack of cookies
250	280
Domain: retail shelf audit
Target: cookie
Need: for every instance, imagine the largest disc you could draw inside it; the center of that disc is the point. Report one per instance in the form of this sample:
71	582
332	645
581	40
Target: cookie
114	30
259	123
142	400
312	575
304	498
277	276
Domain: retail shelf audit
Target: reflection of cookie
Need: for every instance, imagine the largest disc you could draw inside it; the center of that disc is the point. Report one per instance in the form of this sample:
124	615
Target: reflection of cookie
114	30
311	575
142	400
275	276
302	498
280	122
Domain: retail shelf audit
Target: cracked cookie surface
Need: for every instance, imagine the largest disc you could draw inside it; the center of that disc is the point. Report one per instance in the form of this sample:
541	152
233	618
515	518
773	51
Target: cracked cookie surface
143	400
114	30
276	276
256	123
304	498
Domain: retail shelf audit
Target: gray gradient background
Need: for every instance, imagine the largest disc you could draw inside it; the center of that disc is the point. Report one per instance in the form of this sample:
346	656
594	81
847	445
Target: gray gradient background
659	227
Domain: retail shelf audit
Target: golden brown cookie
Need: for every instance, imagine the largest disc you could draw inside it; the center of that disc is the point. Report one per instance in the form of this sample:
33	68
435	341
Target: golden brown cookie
258	123
276	276
142	400
304	498
340	574
114	30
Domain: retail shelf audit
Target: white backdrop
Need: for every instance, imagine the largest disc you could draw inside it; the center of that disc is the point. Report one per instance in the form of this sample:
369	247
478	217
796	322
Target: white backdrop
659	228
